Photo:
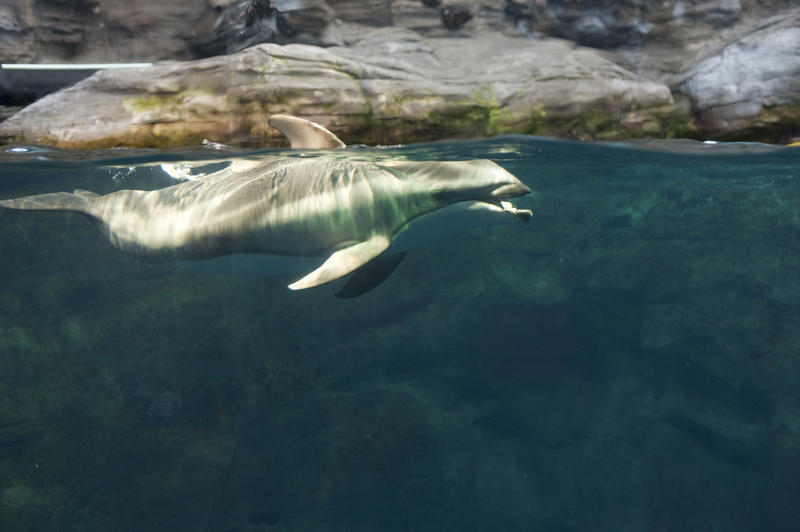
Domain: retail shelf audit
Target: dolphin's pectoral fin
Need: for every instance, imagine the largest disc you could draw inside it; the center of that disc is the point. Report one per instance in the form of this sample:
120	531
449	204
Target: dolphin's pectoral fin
370	275
304	133
343	262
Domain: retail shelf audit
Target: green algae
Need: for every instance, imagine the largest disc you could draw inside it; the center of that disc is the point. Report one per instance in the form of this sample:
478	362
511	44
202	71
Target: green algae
483	114
774	124
152	102
596	122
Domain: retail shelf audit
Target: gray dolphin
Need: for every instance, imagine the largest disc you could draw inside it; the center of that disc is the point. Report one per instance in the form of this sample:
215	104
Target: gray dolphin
338	216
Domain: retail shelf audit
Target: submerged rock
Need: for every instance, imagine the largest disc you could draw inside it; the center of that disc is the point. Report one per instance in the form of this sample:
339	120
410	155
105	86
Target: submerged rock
392	86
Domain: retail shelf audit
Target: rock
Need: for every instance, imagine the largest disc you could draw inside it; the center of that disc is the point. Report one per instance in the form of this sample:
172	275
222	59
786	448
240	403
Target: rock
698	48
607	24
16	44
427	20
242	24
390	87
455	17
98	31
89	31
597	23
369	12
518	11
750	88
657	39
8	110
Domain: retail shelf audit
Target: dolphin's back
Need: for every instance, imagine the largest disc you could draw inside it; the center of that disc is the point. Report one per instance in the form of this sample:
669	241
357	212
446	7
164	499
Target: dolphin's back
280	206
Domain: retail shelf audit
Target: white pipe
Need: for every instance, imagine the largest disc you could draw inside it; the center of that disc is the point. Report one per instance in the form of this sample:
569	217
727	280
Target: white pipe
78	66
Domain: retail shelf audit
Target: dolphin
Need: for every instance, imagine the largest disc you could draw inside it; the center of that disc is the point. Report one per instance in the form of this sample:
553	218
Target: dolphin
337	216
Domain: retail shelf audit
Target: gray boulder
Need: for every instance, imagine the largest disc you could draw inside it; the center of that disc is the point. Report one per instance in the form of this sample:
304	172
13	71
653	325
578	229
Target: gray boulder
751	86
100	31
392	86
610	24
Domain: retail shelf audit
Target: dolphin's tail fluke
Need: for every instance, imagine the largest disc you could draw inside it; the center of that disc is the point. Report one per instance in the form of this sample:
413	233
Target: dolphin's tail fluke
78	201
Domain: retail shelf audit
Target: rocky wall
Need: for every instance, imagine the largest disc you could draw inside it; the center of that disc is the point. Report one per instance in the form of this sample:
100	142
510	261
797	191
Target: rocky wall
729	65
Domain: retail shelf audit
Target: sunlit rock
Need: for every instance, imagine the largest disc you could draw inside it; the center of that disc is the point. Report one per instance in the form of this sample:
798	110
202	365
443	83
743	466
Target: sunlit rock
392	86
750	87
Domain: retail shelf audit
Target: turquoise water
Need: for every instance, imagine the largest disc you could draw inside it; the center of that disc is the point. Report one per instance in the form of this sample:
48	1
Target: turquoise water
628	360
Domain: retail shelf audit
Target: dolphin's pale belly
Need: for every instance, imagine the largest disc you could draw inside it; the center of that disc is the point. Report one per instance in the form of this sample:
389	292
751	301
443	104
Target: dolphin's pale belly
260	214
420	232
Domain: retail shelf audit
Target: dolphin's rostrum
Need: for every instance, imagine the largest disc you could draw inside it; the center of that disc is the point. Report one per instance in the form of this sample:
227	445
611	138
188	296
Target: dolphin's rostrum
347	214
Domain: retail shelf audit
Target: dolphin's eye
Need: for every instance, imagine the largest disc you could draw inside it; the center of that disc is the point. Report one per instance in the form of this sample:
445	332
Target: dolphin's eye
440	195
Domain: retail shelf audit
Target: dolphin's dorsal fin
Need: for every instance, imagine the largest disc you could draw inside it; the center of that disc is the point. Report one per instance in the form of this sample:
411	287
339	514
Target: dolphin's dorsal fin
304	134
343	262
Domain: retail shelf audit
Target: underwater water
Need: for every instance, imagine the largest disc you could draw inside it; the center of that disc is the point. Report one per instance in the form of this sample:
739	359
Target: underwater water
628	360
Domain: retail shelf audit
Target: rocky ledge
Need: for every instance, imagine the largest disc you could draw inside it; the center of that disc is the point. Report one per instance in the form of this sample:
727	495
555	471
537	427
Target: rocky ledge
749	88
391	86
396	85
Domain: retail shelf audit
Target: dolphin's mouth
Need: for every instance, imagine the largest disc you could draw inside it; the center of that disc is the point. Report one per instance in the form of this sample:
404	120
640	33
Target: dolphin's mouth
522	214
511	190
507	191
